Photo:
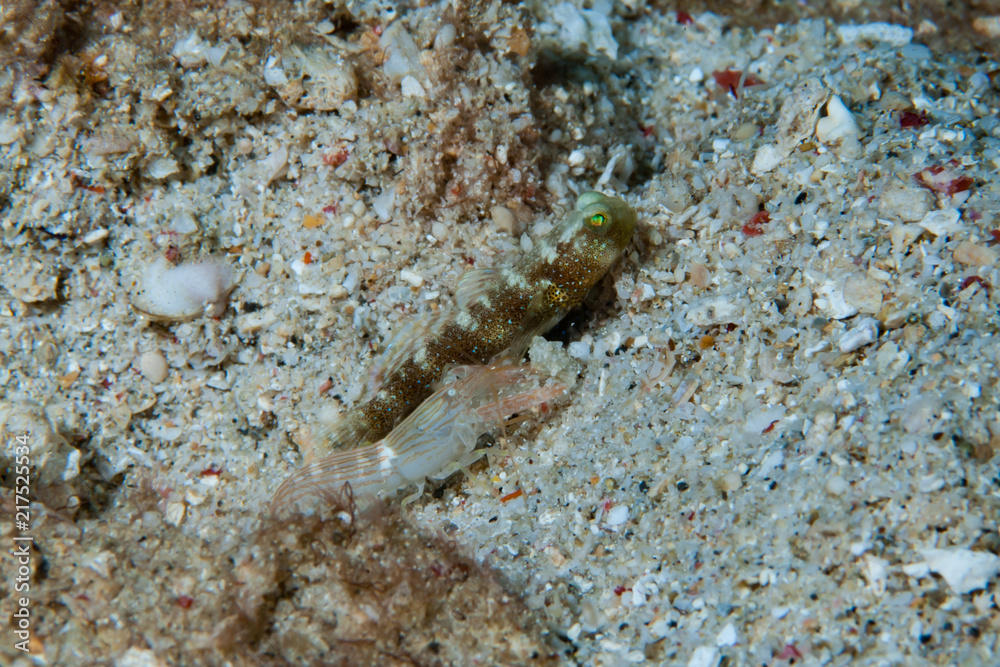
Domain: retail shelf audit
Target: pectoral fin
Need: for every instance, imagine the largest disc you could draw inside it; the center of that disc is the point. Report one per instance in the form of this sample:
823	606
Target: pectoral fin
549	304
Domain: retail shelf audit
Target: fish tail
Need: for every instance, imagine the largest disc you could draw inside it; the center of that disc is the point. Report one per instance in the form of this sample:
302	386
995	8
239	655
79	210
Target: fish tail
441	432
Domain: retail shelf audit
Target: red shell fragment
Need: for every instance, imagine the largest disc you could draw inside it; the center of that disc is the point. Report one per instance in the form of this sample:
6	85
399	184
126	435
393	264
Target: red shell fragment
730	80
940	179
752	226
684	18
974	280
185	601
336	159
789	652
909	119
211	470
511	496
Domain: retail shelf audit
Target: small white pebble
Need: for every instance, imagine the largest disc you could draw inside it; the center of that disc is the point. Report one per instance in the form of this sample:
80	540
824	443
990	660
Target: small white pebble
964	570
836	485
502	218
697	75
445	36
943	222
617	515
767	158
72	470
865	333
858	548
413	278
704	656
576	158
96	235
411	87
727	637
730	482
153	367
917	570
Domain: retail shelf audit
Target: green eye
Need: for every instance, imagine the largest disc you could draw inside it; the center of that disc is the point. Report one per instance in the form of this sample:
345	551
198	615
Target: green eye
598	219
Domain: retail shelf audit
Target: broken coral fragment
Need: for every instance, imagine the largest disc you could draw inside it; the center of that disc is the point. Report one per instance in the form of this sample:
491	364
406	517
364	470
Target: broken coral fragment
311	78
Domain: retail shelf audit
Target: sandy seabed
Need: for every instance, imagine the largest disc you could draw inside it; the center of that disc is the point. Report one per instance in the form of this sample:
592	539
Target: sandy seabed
780	447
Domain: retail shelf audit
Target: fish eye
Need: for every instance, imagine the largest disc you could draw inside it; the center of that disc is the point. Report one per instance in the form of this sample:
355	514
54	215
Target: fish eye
598	220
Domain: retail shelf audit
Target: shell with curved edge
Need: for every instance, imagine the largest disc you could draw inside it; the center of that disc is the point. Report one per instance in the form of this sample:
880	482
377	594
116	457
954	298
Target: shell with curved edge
167	292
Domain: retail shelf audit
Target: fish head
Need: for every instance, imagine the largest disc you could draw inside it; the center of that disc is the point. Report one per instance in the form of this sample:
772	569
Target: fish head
604	224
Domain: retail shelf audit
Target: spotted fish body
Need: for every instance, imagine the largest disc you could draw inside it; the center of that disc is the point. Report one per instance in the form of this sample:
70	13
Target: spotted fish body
498	311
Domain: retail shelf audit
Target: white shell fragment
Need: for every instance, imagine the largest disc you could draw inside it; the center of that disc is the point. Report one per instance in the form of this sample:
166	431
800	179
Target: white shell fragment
617	515
718	310
274	166
192	51
963	569
905	202
727	637
704	656
864	333
95	236
903	236
403	54
411	87
182	292
797	118
163	167
889	33
863	293
942	223
975	254
832	302
767	158
839	130
582	30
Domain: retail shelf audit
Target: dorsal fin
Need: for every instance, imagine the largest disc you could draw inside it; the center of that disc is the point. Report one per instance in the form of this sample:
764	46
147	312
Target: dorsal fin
403	346
473	285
